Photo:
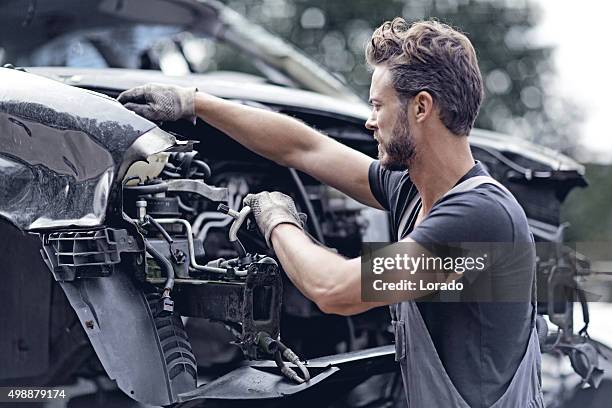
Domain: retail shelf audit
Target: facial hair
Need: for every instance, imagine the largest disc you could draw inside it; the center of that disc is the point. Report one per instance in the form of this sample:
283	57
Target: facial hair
398	152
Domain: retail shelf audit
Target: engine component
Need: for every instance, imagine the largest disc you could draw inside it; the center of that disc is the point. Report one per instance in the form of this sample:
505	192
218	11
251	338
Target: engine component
166	302
177	254
181	186
279	350
248	305
239	218
163	206
185	165
194	264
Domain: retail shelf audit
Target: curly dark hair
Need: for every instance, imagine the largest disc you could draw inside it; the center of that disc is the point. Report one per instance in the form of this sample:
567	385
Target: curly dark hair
434	57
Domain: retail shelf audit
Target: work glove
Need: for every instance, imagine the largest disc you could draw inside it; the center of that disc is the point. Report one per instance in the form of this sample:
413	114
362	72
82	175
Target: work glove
272	209
161	103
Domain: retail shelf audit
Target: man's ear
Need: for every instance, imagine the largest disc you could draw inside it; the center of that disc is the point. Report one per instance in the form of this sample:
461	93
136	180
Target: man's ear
423	106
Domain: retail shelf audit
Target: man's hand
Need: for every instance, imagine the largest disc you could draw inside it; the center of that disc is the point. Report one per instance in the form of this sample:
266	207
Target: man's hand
159	102
272	209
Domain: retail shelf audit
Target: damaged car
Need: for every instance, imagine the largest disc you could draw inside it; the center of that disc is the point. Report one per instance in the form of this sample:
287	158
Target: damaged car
127	256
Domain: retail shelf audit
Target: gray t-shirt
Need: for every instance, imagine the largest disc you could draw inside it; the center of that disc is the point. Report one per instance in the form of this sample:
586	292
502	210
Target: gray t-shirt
479	343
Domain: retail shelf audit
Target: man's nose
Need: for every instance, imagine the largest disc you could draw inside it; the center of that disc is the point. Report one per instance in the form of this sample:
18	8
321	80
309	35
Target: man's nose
370	124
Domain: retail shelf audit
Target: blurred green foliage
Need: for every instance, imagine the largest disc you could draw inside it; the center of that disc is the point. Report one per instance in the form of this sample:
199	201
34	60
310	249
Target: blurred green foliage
588	209
518	73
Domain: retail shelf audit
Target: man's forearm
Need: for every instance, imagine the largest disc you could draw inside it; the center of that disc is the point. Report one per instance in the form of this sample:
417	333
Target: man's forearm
328	279
278	137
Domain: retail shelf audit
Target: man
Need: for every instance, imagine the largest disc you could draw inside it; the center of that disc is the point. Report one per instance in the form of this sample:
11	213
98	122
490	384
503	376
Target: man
425	94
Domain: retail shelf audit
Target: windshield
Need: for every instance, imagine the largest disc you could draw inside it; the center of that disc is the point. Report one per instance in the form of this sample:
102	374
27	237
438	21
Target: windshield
165	48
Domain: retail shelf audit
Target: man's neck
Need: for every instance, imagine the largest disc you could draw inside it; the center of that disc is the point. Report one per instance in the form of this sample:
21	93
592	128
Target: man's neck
435	173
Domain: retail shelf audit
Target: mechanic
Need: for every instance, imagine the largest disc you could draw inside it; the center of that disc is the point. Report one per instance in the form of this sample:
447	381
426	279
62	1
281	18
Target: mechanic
425	95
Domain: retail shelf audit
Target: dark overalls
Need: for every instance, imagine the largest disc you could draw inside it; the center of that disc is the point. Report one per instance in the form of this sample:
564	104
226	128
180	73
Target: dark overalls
426	382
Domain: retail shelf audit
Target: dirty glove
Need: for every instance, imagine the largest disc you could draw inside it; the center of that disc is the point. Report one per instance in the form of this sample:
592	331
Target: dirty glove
272	209
159	102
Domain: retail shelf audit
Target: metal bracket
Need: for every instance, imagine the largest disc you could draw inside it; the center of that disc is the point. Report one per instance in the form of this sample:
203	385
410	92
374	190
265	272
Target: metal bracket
85	254
198	187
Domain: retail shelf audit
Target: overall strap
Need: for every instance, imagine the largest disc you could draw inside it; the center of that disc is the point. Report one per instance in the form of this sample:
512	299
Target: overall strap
474	182
407	215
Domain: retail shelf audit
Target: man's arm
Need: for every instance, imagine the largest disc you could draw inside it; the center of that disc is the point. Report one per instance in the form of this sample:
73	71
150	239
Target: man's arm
326	278
329	280
290	143
278	137
333	282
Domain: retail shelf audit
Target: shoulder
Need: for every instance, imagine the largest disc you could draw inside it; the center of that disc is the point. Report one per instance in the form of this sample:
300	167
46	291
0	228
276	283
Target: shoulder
485	200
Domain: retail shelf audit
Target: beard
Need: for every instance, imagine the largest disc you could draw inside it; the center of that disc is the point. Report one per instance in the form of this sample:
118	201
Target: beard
398	152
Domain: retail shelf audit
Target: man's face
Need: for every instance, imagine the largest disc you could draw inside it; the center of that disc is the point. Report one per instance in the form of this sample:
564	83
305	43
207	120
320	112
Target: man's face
390	123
